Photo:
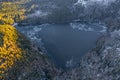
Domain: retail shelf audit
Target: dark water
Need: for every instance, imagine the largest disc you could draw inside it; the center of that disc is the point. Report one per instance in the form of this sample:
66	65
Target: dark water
62	42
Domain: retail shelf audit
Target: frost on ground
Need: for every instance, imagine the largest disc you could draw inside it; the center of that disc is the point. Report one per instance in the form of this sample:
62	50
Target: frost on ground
72	63
33	34
38	13
88	2
91	28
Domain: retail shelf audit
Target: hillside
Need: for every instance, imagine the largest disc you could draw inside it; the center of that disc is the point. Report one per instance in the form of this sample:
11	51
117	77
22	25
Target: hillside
22	60
19	59
56	11
11	12
101	63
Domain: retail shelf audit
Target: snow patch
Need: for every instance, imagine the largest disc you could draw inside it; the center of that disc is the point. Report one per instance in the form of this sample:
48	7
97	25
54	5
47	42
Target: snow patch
104	29
15	24
83	2
118	49
38	13
91	2
88	28
36	29
115	34
81	27
107	48
32	32
70	63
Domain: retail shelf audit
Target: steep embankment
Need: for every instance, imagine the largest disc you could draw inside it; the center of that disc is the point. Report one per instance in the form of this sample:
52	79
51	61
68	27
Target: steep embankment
19	59
9	52
101	63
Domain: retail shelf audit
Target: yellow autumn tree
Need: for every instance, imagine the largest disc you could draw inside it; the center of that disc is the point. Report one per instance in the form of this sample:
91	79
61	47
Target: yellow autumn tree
10	52
11	12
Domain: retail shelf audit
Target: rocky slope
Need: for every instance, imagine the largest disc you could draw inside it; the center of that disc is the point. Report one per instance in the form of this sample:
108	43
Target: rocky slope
20	60
101	63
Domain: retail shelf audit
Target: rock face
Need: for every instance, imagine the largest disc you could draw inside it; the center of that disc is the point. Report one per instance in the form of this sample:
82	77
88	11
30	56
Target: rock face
19	60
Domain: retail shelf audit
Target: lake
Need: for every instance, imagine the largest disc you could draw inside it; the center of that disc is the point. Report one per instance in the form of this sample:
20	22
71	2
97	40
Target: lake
66	44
